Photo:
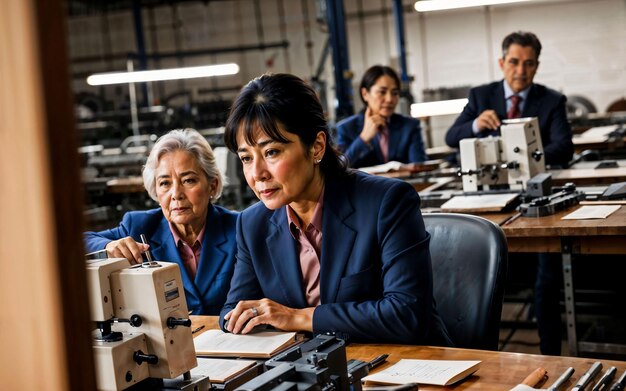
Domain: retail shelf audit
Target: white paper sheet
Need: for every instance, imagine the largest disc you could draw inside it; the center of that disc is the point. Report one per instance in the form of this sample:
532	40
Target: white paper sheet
260	344
592	212
438	372
220	370
382	168
487	202
599	131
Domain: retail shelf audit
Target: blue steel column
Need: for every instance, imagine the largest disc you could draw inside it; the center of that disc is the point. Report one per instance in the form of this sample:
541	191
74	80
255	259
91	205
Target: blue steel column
141	46
398	15
341	64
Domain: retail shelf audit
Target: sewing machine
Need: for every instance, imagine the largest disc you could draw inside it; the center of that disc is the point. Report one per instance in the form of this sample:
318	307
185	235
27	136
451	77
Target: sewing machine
510	159
143	328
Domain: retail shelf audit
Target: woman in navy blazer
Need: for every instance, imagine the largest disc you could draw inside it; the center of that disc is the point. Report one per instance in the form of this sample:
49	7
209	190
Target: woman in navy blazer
359	136
327	250
181	174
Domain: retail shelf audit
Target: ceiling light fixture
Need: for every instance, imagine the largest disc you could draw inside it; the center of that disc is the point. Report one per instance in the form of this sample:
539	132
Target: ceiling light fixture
437	5
100	79
442	107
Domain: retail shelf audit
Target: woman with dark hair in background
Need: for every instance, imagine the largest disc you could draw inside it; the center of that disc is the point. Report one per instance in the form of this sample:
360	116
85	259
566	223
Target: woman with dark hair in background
327	250
377	135
181	174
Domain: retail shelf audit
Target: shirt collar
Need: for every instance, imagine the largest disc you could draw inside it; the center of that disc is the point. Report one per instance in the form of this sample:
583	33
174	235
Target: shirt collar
178	240
316	221
508	92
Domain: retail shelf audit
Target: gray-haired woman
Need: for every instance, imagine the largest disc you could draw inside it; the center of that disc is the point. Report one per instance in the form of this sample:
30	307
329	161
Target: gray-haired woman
182	176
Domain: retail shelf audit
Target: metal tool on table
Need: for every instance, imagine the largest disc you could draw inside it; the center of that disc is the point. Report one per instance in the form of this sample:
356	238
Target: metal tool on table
318	364
546	205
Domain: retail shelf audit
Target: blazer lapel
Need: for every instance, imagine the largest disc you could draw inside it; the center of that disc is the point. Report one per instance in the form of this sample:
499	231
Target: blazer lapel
282	250
163	248
337	239
497	100
213	256
533	103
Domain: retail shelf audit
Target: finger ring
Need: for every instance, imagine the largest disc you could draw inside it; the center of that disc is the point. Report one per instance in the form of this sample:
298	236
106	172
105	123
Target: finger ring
255	312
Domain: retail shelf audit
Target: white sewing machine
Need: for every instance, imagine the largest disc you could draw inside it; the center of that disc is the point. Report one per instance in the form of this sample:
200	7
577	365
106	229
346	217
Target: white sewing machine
143	325
512	158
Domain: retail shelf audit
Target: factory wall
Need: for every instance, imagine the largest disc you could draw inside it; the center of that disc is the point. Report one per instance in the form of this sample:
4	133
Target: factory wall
584	44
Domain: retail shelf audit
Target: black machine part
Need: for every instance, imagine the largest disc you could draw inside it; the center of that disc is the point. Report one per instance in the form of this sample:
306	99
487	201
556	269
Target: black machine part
193	383
318	364
616	191
540	185
564	197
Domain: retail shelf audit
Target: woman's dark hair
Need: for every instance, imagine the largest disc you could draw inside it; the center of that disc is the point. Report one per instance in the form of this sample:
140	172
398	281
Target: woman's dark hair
372	74
281	99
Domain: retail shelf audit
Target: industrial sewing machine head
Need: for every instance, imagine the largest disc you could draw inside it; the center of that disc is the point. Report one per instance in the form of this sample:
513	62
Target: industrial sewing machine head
510	159
143	323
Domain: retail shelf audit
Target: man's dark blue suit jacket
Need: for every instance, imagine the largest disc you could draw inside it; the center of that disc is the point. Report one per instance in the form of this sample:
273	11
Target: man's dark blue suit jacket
542	102
206	293
375	271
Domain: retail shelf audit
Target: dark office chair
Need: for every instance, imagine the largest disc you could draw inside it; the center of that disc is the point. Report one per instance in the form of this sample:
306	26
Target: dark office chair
469	258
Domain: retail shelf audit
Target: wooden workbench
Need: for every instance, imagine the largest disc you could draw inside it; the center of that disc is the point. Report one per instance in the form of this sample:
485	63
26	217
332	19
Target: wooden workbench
498	371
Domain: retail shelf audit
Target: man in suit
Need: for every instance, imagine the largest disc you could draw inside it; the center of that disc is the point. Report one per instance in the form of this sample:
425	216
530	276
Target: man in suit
517	96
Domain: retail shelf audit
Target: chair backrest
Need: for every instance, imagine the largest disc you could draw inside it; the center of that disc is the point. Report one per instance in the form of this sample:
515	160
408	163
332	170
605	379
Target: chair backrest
469	260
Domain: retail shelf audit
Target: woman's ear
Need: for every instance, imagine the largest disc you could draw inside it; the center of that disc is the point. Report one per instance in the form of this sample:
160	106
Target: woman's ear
319	146
212	187
364	94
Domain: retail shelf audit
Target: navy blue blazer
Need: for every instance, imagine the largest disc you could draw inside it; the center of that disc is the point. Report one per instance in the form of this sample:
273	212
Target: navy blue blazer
375	269
405	141
542	102
206	293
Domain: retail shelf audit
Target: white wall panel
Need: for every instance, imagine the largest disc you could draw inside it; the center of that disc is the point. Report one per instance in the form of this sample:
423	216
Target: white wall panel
584	42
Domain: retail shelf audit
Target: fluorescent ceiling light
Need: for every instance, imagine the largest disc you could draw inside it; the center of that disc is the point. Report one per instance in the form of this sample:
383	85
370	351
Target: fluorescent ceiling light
442	107
162	74
437	5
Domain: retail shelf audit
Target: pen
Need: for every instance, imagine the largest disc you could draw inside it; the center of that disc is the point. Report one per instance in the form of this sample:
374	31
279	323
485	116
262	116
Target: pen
605	380
511	218
620	383
562	379
587	376
535	377
378	360
148	255
197	329
144	241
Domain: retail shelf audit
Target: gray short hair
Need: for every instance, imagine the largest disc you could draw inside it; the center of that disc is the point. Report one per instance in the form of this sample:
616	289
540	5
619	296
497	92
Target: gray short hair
188	140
